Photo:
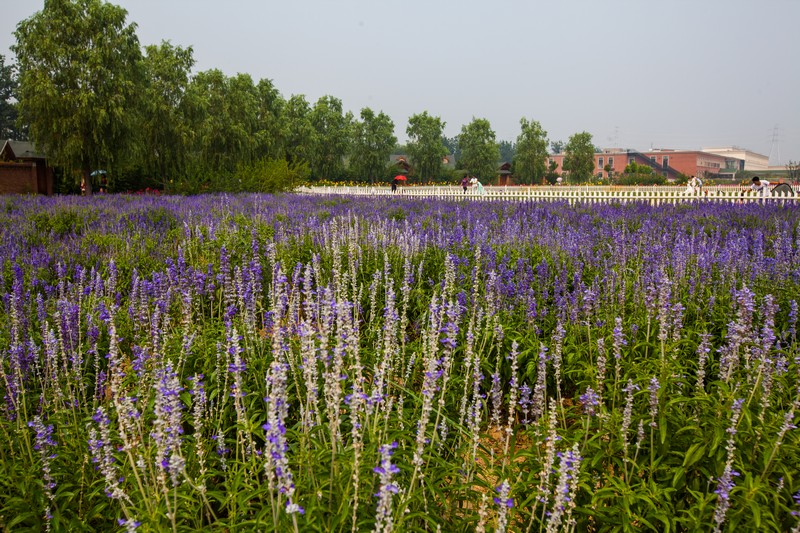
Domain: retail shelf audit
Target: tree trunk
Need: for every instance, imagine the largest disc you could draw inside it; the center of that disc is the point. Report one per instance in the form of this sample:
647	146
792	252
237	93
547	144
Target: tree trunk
86	184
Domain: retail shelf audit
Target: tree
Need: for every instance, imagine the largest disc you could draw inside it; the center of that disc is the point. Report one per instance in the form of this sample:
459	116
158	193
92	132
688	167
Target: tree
298	133
451	143
333	133
373	141
8	107
551	176
557	146
165	131
609	172
793	168
636	174
479	151
579	157
79	79
530	162
425	146
634	168
269	131
222	112
508	151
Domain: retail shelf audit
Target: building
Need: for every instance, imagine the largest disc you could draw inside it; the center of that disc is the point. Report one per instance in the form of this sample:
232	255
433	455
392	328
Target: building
504	176
669	163
23	170
737	159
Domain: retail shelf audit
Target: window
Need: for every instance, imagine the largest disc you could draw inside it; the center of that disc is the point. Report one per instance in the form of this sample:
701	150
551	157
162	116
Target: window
630	161
666	162
653	158
611	163
600	162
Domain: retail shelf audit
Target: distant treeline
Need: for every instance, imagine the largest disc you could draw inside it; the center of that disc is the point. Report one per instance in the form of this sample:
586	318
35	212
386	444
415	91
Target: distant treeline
91	97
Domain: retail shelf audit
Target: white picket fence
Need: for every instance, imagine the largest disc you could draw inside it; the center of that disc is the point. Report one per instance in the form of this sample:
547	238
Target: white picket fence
573	194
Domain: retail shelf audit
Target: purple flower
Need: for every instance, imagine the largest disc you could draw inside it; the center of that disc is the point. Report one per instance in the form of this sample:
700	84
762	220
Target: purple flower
566	488
42	443
654	387
796	498
590	400
167	426
102	451
279	475
619	338
129	523
385	470
725	483
505	502
525	402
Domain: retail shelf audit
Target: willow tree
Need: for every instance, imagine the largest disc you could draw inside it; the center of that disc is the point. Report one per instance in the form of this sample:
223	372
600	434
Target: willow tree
373	142
333	138
80	69
165	132
298	131
223	115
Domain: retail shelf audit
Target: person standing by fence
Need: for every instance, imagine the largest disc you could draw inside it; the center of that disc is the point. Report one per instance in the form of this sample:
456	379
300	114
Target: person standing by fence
694	185
761	187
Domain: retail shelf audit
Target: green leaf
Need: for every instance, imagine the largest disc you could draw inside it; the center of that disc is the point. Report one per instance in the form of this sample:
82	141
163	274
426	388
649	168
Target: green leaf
755	508
694	454
679	477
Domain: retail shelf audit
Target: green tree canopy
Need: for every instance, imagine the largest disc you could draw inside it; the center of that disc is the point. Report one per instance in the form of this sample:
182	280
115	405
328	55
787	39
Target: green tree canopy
373	141
298	132
451	143
425	146
530	162
332	140
165	132
8	106
479	150
223	118
508	151
269	133
79	79
579	157
634	168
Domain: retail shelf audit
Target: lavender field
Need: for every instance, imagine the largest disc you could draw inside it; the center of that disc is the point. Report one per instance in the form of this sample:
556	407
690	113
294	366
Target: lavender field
292	363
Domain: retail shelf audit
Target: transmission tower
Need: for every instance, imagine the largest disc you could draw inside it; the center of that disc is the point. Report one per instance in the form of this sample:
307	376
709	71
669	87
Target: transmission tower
775	147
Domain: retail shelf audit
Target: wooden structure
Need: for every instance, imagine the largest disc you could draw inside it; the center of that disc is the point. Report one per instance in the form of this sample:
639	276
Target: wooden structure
23	170
504	175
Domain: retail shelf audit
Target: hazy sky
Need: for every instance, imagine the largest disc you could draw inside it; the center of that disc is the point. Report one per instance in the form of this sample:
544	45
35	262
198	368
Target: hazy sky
636	74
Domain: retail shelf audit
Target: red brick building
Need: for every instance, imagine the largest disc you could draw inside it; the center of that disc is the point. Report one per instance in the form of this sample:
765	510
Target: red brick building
669	163
23	170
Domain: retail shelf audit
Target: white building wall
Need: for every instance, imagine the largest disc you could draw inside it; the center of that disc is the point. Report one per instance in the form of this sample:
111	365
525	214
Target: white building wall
752	160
